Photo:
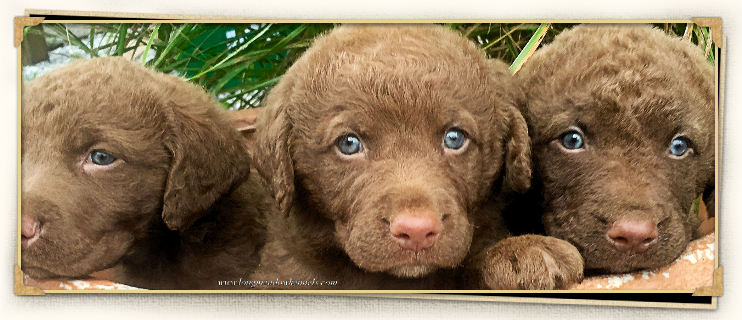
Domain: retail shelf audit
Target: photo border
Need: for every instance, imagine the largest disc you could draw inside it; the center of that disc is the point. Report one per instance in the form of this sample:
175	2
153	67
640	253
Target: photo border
61	16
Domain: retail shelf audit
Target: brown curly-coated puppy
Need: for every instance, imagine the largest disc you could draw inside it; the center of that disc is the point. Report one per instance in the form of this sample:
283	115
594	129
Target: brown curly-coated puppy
130	169
379	144
621	120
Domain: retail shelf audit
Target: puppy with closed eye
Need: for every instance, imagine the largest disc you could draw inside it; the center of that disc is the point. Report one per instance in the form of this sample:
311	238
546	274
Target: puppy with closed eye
622	125
380	144
136	172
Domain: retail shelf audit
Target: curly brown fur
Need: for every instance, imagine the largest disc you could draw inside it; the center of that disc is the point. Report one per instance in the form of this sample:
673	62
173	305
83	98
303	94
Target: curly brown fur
399	89
629	91
499	260
177	209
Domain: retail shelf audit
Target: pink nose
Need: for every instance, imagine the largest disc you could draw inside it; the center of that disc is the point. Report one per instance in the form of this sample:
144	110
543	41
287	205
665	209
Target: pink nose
633	236
415	232
29	231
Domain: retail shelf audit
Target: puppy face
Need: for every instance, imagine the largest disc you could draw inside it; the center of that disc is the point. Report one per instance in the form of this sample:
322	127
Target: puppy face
622	124
393	136
103	163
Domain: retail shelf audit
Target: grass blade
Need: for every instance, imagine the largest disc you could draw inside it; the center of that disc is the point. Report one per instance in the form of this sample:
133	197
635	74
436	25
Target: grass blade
232	54
530	47
513	29
149	43
121	43
172	43
71	38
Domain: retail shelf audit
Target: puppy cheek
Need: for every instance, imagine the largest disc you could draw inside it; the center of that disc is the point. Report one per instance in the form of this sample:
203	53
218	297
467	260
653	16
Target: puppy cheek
369	245
456	239
341	233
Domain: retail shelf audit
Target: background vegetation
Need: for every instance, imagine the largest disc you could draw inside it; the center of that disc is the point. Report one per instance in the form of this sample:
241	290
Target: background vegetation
239	63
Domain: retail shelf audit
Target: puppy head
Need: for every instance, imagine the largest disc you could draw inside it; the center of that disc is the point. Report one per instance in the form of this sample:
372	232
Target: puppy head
110	149
622	125
390	134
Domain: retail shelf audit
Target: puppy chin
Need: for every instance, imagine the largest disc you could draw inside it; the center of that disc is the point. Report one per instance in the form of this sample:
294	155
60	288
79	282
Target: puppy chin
416	271
620	262
402	266
405	266
41	273
37	273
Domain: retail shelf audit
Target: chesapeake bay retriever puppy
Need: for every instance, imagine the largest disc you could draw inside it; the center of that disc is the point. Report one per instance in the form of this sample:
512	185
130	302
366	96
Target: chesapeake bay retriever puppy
139	173
621	120
379	144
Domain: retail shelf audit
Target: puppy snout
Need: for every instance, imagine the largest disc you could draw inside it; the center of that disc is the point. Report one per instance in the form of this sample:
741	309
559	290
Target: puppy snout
415	232
30	230
633	236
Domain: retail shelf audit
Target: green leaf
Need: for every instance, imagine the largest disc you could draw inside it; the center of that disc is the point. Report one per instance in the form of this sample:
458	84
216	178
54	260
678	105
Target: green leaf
530	47
233	53
71	38
149	43
121	43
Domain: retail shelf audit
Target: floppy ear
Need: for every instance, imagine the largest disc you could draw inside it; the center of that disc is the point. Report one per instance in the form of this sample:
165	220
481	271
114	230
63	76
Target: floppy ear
244	121
272	153
518	154
517	176
209	158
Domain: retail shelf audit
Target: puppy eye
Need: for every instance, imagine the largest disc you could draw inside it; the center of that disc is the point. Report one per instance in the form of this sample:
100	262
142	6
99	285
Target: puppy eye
679	146
349	144
101	158
454	139
573	140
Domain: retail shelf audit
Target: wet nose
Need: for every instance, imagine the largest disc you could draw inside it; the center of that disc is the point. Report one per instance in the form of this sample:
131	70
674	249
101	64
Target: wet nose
633	236
30	230
414	231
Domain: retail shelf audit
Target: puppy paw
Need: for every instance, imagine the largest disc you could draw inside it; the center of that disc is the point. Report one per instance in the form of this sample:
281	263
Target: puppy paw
532	262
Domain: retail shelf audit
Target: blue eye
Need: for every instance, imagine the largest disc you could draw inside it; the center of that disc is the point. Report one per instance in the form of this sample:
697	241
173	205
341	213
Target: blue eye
349	144
573	140
678	147
101	158
454	139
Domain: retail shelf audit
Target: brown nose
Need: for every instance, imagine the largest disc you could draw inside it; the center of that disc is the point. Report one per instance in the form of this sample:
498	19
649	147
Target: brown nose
29	231
633	236
415	232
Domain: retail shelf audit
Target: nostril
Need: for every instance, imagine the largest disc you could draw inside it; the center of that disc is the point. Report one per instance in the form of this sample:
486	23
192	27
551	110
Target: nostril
385	221
415	231
29	227
632	236
30	230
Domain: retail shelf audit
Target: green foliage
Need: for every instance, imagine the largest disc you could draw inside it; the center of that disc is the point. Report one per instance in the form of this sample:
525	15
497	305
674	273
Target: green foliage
505	41
700	36
239	63
236	62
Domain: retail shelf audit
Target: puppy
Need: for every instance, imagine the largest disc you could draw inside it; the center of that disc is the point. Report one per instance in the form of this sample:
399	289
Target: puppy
137	172
379	144
621	120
